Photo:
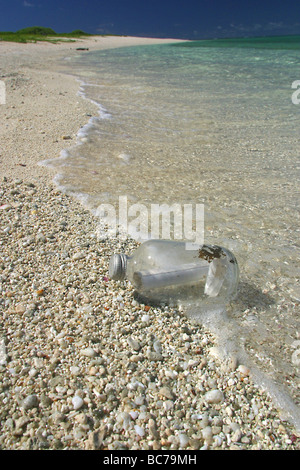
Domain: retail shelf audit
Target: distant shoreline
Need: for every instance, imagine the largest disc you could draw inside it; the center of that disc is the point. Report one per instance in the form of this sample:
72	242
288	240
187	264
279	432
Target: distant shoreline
37	90
41	34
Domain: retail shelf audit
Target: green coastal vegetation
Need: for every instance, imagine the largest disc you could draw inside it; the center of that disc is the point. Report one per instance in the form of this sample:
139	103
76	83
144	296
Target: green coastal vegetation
266	42
39	33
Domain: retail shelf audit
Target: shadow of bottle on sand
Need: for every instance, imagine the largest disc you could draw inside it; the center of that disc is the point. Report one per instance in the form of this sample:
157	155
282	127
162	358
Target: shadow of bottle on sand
250	296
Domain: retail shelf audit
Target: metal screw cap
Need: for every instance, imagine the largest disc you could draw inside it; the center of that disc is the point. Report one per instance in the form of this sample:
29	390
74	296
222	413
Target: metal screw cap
117	267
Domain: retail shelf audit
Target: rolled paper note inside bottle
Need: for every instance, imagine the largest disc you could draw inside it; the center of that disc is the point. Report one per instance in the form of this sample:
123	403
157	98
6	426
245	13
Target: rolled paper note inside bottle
155	279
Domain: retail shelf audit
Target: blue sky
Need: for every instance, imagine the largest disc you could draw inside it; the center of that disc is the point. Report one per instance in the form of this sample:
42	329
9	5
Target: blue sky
192	19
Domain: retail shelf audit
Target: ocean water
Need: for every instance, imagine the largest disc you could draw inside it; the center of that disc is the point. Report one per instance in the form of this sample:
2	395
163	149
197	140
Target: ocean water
215	126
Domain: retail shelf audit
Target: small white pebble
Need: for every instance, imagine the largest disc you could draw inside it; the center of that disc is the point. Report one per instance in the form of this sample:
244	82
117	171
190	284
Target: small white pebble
33	372
88	352
3	353
207	434
183	440
171	374
77	402
244	370
74	370
218	441
78	256
134	414
139	401
214	396
139	430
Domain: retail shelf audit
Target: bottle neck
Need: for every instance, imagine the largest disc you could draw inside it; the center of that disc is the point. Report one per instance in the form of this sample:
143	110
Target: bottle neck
117	266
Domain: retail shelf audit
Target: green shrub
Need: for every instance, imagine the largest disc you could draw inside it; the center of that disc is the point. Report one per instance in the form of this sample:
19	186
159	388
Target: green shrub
37	31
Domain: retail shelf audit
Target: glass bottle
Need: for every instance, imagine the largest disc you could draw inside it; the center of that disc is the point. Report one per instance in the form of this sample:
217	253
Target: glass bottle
166	272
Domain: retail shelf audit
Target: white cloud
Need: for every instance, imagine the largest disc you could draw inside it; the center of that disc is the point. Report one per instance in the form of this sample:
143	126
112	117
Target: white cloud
27	4
104	28
258	28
